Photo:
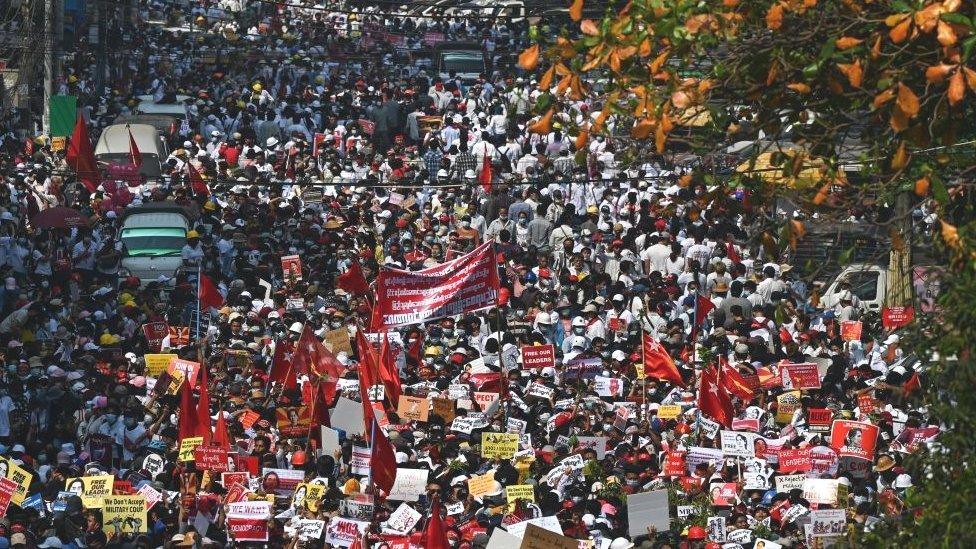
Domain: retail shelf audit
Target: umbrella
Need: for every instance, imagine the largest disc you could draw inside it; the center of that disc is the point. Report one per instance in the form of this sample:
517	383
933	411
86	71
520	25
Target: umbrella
59	218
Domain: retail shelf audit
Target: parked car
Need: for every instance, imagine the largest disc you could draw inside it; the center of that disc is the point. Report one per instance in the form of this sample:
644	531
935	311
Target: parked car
113	147
153	236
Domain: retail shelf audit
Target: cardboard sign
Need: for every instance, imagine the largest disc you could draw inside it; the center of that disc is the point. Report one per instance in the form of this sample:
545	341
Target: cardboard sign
674	464
179	336
157	363
669	411
855	439
478	486
716	529
444	408
828	522
850	330
210	458
795	461
893	318
500	445
519	491
788	483
91	489
294	421
155	333
818	419
822	491
348	416
536	537
187	447
189	369
648	509
485	399
291	268
409	484
413	408
125	514
538	356
338	341
735	443
799	376
294	304
402	520
359	462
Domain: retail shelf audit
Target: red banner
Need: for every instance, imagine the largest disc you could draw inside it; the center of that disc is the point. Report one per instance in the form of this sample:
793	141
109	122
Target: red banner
896	317
850	330
155	332
800	376
674	464
179	336
210	458
819	419
538	356
795	461
466	284
247	529
7	490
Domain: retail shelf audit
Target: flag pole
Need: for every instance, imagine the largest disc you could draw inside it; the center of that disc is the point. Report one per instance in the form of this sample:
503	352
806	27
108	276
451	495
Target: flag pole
644	379
199	278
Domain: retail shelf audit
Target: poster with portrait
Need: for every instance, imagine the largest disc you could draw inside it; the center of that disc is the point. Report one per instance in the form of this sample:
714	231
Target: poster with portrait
291	268
91	489
854	438
294	421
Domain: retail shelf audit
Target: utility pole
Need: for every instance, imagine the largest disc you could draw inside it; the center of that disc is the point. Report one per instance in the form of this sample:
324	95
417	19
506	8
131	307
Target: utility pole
49	55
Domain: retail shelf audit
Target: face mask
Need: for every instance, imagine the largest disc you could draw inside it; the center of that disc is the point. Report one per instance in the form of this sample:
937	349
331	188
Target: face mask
578	330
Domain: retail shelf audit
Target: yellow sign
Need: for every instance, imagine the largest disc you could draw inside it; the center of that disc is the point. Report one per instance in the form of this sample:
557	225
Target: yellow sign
308	495
91	489
639	369
177	381
124	514
787	403
157	363
187	445
669	411
501	445
58	143
520	491
19	475
481	485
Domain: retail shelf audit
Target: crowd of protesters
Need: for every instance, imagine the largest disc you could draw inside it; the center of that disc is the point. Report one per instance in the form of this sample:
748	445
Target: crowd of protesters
672	326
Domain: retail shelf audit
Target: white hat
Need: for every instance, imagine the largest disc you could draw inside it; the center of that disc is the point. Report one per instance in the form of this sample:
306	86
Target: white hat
618	355
579	341
903	480
271	142
548	371
295	327
621	543
893	338
543	318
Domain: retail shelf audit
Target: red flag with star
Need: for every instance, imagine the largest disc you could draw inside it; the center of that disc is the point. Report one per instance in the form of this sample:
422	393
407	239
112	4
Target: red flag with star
713	399
658	363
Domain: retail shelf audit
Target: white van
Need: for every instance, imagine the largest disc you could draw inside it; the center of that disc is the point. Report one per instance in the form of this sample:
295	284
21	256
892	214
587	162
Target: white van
153	236
113	147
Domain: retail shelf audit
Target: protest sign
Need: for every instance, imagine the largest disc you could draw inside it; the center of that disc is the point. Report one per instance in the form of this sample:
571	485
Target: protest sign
608	386
155	333
294	421
546	523
413	408
309	529
598	444
766	544
853	438
485	399
157	363
466	284
501	445
824	461
402	520
22	478
342	532
787	483
359	463
519	491
893	318
535	537
828	522
281	481
738	444
500	539
291	268
581	368
188	368
210	458
408	484
799	376
674	464
708	427
249	418
481	485
7	489
818	419
716	529
786	404
669	411
151	495
444	408
725	494
649	509
187	446
330	440
125	514
347	415
337	341
538	356
795	461
850	330
822	491
90	489
697	455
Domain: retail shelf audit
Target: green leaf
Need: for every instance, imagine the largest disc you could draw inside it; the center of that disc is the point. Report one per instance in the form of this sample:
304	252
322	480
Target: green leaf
967	47
939	191
845	257
957	18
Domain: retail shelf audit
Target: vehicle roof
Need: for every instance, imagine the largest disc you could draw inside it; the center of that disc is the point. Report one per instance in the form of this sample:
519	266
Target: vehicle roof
158	207
115	139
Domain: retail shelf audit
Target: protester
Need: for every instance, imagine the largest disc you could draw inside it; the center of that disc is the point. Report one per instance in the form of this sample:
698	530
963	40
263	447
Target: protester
607	335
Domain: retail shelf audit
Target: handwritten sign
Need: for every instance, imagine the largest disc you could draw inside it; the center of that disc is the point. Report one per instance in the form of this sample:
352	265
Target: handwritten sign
538	356
413	408
501	445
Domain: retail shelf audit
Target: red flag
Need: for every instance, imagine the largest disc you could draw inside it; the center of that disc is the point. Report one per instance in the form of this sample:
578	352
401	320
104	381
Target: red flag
203	407
311	357
658	363
29	147
209	295
485	176
733	381
388	371
134	154
415	351
188	413
352	280
913	384
731	253
382	464
703	306
221	436
435	535
81	157
282	369
713	399
320	406
358	543
197	184
367	374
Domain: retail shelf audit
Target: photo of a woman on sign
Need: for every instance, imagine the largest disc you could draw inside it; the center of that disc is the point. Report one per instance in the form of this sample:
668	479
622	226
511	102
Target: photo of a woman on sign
854	439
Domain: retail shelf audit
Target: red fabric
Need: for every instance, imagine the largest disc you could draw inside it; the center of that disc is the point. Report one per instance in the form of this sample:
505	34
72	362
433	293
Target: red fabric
81	157
913	384
29	147
320	407
203	407
197	185
383	464
734	383
221	436
713	399
658	363
209	295
311	357
435	535
415	352
134	154
282	369
703	306
388	371
353	281
367	375
358	543
731	253
188	413
485	176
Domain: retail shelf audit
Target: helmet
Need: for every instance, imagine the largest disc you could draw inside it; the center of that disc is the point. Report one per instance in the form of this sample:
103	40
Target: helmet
295	327
192	234
442	173
696	532
543	318
469	174
299	457
257	87
621	543
578	322
903	481
580	342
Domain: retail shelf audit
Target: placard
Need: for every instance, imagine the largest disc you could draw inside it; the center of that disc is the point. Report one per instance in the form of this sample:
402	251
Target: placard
402	520
648	509
795	461
485	399
291	268
187	446
480	485
738	444
854	438
409	484
500	445
822	491
850	330
788	483
190	370
309	529
91	489
608	386
799	376
348	416
125	514
828	522
359	462
337	341
413	408
893	318
210	458
669	411
716	529
157	363
22	478
725	494
598	444
7	489
535	537
787	403
538	356
819	419
519	491
155	333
